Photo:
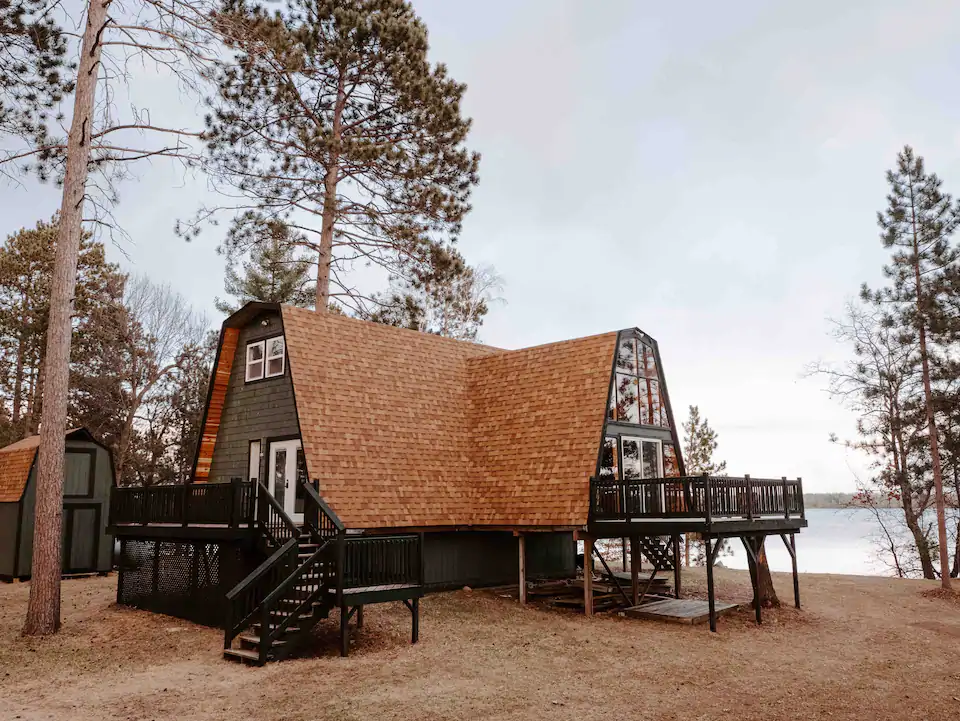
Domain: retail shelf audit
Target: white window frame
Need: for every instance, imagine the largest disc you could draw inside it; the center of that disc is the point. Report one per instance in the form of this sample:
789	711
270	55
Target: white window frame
262	361
265	359
282	356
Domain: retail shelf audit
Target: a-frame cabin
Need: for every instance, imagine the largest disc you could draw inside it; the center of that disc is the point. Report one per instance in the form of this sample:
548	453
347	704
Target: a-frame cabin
344	462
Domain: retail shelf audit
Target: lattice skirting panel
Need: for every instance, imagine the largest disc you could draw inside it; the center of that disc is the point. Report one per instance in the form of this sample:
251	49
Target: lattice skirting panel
187	579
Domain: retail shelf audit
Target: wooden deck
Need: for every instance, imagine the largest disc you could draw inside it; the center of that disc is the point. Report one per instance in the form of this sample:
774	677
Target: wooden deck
684	610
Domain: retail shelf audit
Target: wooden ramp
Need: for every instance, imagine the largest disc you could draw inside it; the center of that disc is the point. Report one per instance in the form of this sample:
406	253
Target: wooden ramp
683	610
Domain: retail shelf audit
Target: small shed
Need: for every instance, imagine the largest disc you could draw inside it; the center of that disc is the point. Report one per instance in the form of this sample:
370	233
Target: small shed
88	477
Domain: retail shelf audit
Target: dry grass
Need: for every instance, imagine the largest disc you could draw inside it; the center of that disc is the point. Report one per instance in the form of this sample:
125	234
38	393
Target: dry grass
862	648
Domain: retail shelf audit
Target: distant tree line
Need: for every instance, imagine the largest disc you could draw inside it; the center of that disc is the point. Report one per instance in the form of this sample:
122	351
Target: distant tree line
903	379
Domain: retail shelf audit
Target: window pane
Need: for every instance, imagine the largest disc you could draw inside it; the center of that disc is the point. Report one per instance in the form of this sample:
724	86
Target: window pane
655	405
255	371
275	347
298	499
632	467
671	466
628	409
627	356
612	406
254	351
644	392
280	474
649	362
651	464
275	367
608	458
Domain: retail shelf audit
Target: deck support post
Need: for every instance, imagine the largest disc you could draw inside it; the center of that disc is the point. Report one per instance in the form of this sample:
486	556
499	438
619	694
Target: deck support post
623	552
344	631
415	631
791	545
588	577
521	547
635	568
359	616
676	566
711	598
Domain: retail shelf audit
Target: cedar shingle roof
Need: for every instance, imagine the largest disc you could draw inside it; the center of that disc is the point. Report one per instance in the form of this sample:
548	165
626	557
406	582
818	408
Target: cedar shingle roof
410	429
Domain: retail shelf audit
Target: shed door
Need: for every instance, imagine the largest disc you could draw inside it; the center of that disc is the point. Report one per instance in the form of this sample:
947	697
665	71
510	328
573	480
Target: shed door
81	537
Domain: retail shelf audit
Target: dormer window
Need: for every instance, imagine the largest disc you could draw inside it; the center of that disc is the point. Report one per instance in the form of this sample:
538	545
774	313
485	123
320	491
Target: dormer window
265	359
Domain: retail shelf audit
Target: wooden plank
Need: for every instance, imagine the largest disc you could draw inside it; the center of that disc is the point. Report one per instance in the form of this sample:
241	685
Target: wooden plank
685	610
588	576
521	546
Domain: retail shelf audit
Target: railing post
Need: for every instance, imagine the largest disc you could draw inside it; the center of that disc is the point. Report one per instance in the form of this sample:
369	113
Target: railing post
144	509
799	492
786	500
185	494
706	499
341	550
234	502
746	478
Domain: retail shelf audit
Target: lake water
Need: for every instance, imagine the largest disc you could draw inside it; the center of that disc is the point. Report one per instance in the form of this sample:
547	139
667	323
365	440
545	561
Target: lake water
837	541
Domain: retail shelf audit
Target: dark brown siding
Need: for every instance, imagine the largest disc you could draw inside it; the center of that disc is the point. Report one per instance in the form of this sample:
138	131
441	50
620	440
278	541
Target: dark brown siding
252	411
8	537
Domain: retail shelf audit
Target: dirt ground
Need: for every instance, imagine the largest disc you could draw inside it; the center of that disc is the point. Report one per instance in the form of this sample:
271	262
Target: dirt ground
862	648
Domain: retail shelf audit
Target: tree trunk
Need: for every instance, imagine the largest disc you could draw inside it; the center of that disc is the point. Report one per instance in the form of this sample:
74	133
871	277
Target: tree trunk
43	609
910	515
934	444
767	596
18	379
329	216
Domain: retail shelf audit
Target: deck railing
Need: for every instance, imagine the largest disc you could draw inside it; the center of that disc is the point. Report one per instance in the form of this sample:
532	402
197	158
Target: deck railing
382	561
227	504
707	497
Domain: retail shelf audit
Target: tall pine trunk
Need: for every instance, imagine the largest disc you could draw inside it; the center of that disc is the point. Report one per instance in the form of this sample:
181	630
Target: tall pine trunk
910	515
329	216
43	610
928	407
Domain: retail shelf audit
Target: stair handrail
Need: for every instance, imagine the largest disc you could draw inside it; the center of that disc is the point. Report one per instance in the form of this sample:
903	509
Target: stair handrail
270	633
267	503
282	557
283	554
333	526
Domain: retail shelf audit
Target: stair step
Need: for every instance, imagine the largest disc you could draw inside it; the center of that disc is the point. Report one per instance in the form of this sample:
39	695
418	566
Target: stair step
242	655
251	641
255	628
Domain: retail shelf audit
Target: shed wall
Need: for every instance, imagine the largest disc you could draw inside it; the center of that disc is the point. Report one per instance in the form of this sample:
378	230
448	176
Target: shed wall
8	537
252	411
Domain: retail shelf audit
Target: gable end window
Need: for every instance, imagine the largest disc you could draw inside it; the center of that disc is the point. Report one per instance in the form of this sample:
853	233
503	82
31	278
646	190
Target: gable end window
265	359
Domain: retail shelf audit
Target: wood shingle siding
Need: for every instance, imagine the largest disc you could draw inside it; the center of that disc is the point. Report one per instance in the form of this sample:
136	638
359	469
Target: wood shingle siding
251	411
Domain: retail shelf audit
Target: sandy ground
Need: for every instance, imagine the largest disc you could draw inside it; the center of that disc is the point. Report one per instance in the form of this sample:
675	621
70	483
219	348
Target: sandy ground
862	648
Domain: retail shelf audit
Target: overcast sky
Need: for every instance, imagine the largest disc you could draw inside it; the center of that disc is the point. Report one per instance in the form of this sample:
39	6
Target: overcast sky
709	172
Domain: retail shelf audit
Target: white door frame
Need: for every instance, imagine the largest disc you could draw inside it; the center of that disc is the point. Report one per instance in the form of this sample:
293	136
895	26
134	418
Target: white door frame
659	471
288	474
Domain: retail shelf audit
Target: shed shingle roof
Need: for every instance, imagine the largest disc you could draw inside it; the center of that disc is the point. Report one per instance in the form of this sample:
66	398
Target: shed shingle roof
411	429
16	460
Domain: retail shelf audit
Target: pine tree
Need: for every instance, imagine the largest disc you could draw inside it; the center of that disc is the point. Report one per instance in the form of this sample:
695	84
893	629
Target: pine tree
340	94
917	226
451	300
273	273
34	73
700	443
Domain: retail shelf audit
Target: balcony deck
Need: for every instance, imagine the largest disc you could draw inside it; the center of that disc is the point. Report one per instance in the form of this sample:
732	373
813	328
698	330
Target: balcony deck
710	505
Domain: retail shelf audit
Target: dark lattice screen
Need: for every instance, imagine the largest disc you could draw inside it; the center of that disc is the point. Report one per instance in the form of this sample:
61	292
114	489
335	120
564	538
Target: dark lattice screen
187	579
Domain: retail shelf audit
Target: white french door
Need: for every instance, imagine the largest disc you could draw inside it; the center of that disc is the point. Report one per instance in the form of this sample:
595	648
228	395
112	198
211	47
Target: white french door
286	459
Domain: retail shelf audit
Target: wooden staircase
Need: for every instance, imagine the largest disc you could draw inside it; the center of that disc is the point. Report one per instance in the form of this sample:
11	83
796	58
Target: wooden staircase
308	601
309	570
